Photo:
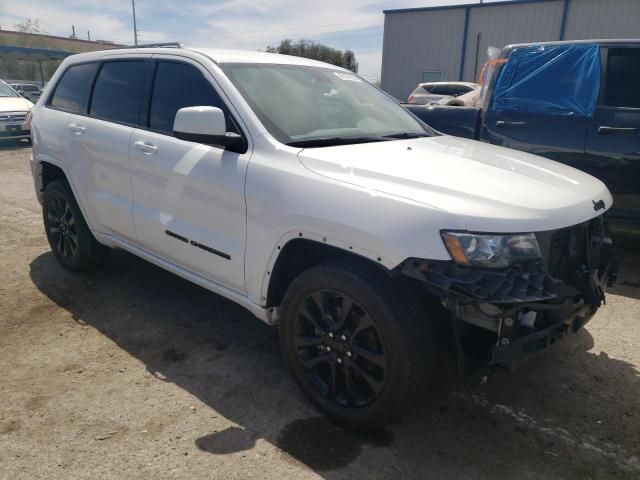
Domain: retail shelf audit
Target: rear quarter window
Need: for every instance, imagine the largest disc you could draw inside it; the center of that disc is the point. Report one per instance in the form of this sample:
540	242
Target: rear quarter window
72	91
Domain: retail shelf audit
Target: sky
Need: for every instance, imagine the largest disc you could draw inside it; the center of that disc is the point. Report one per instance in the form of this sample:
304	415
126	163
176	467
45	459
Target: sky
243	24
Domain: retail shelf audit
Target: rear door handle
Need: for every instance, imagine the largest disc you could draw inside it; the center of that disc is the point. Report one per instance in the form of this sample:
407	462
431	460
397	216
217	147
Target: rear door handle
504	123
77	129
148	148
604	130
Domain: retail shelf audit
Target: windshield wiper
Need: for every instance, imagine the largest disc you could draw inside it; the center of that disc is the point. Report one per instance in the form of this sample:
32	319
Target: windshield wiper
333	141
406	135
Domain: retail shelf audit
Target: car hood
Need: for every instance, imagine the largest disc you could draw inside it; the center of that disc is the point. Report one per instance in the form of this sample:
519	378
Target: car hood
15	104
486	188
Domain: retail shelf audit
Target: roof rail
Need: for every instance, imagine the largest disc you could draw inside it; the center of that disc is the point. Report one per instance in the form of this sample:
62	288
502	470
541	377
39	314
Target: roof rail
160	44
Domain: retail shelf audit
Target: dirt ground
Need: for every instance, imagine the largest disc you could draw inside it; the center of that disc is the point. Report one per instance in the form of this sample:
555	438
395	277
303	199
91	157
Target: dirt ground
131	372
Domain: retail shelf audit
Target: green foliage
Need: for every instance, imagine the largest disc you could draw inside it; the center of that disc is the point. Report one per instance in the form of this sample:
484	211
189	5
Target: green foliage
317	51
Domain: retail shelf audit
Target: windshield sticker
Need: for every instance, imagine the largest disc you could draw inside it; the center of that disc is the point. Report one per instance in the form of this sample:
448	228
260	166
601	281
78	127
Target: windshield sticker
347	76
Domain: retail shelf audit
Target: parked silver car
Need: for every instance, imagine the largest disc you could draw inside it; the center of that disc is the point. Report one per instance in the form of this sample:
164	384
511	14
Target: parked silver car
30	91
434	92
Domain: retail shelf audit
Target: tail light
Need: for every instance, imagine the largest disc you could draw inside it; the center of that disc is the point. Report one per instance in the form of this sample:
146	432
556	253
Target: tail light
410	99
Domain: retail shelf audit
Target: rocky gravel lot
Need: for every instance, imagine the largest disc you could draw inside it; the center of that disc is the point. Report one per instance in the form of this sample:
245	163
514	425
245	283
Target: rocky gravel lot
132	373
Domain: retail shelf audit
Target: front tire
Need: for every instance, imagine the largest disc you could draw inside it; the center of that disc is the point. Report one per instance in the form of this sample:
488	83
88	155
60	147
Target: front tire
360	349
70	239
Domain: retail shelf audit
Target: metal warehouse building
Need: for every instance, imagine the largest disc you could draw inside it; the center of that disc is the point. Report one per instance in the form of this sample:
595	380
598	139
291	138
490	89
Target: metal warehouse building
450	43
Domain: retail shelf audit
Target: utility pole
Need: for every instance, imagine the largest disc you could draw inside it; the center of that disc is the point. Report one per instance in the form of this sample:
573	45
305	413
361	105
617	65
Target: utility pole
135	28
88	35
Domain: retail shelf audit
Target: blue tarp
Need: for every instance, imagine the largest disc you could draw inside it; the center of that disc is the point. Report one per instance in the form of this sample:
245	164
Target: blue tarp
551	79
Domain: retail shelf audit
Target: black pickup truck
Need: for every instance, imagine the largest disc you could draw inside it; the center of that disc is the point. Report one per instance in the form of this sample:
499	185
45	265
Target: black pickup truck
574	102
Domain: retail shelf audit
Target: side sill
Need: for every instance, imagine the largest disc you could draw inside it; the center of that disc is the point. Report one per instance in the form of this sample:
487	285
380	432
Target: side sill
262	313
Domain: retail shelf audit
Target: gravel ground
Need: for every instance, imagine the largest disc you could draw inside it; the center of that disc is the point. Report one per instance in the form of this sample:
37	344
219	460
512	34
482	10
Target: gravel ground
132	372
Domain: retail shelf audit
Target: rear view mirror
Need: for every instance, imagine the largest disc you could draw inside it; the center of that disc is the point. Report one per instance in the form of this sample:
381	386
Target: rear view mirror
206	125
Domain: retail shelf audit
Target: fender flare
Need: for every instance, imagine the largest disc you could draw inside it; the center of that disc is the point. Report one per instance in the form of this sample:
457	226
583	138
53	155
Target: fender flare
347	247
37	175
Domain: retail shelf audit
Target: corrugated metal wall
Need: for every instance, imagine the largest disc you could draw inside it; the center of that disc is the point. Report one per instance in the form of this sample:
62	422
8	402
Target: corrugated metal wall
415	41
603	19
501	25
419	41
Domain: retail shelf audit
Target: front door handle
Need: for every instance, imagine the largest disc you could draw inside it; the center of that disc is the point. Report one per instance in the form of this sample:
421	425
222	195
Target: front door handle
147	148
604	130
504	123
77	129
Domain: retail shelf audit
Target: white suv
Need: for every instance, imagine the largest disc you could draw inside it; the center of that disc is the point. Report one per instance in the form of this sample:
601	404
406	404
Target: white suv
317	202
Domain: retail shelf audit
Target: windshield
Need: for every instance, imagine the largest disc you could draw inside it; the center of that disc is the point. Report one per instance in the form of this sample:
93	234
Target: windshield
312	106
7	91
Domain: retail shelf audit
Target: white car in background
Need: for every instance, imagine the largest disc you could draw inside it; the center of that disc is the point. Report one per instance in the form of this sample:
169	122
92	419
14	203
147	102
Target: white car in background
14	110
435	92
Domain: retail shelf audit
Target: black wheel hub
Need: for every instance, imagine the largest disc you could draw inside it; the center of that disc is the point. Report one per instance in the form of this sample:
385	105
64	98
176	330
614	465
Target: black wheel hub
62	227
340	349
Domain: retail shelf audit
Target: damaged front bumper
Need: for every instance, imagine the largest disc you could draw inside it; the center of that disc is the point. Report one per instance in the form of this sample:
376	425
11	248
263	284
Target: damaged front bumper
527	306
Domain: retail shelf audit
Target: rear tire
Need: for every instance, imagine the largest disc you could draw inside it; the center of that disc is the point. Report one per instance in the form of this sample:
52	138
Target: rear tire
360	349
70	239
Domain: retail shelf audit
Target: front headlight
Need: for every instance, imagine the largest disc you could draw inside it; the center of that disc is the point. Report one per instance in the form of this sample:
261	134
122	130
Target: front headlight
495	251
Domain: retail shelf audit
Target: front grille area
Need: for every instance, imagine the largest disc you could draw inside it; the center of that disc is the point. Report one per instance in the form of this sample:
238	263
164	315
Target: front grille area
13	117
568	249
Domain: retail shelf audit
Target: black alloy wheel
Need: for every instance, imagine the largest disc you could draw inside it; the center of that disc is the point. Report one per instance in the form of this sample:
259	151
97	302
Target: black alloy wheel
62	226
69	236
340	348
358	342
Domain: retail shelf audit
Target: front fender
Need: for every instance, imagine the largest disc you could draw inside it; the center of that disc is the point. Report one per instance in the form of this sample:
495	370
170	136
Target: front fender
285	200
341	244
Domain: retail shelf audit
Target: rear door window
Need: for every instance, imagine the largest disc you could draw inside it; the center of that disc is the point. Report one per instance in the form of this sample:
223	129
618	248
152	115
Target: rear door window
116	95
623	78
72	91
177	85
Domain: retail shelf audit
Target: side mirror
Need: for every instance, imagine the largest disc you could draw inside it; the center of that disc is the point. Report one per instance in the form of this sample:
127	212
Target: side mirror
206	125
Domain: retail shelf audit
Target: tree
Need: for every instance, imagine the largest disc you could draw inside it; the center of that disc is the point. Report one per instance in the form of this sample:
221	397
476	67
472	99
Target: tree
29	26
317	51
350	61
